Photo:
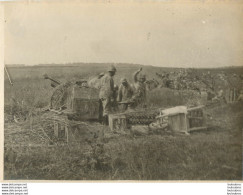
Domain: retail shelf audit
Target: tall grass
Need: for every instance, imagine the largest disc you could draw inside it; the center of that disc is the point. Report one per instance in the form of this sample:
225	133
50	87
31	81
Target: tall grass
210	155
198	157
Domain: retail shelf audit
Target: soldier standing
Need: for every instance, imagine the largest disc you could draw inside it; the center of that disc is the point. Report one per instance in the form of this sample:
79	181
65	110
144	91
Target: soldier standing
139	96
125	93
107	92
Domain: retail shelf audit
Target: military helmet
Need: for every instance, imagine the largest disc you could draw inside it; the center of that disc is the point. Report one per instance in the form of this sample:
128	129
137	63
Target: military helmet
112	69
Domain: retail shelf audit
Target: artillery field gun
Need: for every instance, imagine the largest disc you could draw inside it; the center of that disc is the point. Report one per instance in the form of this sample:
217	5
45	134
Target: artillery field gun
75	114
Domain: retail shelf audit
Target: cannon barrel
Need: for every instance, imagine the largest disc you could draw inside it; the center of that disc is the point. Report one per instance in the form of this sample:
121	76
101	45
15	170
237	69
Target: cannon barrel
54	82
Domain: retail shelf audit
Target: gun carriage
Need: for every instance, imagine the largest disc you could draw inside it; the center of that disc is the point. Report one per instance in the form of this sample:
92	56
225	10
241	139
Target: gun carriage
76	112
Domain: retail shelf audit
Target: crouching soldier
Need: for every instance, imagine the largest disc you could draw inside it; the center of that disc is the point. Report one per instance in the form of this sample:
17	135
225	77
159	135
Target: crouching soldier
125	93
107	92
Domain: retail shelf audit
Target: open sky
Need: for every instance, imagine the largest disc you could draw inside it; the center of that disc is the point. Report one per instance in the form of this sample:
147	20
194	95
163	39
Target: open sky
160	34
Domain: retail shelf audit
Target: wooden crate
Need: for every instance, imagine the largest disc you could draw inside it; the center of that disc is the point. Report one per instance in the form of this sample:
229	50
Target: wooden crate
181	120
85	103
118	122
177	122
175	117
196	119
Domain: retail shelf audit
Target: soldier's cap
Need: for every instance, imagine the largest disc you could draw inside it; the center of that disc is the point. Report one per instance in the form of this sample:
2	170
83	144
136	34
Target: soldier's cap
124	80
111	69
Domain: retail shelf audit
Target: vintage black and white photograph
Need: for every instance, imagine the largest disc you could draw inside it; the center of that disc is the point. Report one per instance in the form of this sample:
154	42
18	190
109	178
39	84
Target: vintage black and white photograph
123	91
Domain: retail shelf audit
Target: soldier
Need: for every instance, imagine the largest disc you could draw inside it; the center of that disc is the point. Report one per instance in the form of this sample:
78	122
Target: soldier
125	93
139	96
95	82
107	92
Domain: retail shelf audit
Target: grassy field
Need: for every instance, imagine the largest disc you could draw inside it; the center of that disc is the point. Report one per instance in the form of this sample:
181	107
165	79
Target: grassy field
215	154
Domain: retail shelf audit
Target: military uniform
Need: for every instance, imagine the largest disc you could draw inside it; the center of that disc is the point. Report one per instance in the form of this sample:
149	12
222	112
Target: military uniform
106	93
139	96
125	93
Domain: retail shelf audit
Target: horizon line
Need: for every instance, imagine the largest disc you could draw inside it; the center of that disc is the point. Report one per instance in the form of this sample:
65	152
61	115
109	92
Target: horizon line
114	63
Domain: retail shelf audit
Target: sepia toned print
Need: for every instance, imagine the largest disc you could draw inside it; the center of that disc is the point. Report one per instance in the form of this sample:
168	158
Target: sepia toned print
123	91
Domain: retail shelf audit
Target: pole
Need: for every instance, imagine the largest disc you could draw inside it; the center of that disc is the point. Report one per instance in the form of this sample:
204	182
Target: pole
8	75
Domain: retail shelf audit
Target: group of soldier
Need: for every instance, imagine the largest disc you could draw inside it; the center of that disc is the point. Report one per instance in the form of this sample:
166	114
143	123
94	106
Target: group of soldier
129	95
126	95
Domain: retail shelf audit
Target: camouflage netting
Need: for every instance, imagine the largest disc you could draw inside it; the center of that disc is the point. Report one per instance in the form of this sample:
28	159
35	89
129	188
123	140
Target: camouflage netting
61	95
